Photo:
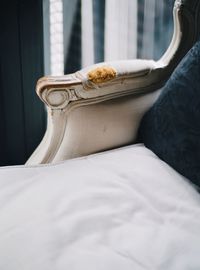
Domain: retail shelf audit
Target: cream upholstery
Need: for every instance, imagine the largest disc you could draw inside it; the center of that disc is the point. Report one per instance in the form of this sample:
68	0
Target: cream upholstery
88	114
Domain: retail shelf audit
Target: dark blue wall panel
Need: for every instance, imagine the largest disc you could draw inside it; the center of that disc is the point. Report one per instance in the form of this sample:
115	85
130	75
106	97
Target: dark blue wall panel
21	55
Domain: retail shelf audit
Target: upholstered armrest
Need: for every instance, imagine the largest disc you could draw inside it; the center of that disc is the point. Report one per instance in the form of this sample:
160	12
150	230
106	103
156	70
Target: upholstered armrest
98	82
100	107
95	109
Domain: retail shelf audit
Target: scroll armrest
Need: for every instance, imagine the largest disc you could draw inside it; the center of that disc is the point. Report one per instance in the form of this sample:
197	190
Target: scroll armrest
99	108
99	82
95	109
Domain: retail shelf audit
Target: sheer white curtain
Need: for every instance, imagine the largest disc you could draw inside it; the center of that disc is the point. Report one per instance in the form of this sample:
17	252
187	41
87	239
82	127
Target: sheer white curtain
56	37
132	29
120	29
83	32
87	32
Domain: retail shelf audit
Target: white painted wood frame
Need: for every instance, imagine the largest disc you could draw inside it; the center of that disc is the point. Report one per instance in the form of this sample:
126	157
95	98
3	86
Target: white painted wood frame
100	107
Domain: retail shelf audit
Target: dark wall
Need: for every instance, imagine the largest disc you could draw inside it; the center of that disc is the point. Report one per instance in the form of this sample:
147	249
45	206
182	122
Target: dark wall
22	121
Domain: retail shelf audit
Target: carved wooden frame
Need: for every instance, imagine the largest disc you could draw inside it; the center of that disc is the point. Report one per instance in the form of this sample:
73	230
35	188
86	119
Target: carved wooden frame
110	81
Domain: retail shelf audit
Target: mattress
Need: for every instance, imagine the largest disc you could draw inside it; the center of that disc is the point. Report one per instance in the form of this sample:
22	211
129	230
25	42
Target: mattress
123	209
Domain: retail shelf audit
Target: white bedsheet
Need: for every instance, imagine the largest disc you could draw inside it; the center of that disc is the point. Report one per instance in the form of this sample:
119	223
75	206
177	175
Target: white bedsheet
119	210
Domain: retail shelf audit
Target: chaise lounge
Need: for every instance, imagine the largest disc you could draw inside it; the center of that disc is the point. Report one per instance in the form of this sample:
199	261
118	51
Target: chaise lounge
94	195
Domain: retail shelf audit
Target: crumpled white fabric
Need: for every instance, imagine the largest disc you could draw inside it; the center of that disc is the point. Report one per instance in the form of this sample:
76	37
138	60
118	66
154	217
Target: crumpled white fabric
120	210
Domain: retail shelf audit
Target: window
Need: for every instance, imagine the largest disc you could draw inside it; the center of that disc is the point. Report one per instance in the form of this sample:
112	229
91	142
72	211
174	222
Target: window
83	32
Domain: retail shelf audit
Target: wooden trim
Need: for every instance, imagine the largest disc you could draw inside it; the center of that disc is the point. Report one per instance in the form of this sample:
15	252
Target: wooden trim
64	95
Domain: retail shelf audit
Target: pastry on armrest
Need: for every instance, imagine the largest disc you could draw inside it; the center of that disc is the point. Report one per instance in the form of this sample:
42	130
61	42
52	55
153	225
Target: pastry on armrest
100	81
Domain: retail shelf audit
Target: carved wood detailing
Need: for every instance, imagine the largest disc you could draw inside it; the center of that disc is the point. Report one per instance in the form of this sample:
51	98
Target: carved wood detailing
178	3
58	92
67	94
59	98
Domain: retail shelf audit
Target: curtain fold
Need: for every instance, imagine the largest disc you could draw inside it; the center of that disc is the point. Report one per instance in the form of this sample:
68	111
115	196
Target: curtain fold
120	30
87	33
68	20
99	27
149	29
73	51
56	37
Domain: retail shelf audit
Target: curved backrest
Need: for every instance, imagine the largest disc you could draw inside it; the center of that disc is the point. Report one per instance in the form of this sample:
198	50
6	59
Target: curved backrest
186	31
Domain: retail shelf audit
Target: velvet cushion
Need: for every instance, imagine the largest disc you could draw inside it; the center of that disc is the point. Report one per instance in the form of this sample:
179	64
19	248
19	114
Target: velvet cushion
171	128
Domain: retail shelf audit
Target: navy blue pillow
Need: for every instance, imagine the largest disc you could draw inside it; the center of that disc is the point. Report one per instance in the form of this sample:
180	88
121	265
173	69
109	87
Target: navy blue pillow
171	128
